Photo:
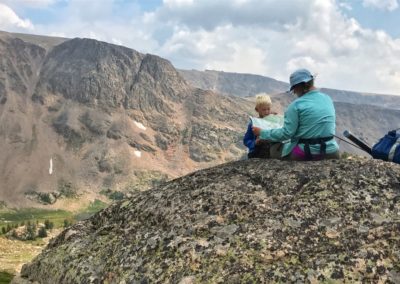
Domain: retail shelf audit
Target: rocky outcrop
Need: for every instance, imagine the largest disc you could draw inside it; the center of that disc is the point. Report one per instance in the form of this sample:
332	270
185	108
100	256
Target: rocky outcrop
99	73
207	141
18	66
254	221
89	71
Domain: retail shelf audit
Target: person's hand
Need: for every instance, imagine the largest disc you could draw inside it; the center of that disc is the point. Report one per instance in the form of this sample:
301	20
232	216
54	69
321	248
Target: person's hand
256	131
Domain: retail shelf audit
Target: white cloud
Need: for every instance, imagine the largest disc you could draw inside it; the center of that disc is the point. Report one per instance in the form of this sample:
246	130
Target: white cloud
389	5
174	3
317	36
105	21
345	5
9	20
243	59
209	14
267	37
28	3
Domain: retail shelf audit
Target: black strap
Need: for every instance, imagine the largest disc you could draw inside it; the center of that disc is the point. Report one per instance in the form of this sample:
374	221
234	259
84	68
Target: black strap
313	141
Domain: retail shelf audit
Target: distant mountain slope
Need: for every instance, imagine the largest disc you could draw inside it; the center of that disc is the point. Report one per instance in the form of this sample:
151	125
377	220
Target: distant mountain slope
384	101
244	85
87	116
46	42
236	84
367	122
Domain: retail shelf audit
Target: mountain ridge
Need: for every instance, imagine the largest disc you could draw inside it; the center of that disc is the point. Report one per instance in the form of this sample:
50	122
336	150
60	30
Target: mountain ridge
247	85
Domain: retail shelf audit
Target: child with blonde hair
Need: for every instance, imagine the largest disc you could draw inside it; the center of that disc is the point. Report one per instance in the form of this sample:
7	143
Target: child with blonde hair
258	148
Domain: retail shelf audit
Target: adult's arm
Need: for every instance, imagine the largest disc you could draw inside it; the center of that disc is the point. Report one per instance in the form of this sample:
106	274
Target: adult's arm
290	125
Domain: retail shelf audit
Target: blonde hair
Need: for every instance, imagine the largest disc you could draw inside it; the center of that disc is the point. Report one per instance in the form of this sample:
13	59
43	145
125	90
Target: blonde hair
263	98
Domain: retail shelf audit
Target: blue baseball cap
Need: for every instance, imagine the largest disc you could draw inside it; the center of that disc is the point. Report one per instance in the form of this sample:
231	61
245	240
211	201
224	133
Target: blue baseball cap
299	76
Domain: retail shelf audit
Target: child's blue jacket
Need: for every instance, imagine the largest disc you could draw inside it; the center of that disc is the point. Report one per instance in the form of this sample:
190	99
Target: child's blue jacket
249	139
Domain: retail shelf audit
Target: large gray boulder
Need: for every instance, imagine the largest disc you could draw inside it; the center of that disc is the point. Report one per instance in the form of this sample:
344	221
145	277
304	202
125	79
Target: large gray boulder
254	221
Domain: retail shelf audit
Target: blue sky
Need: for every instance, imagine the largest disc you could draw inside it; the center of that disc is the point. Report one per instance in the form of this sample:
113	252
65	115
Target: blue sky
376	17
350	44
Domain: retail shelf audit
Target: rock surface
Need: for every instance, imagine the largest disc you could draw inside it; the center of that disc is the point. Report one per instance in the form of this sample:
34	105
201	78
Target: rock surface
253	221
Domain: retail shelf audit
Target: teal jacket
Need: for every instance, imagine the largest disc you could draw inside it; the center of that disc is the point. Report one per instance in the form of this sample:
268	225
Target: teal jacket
309	116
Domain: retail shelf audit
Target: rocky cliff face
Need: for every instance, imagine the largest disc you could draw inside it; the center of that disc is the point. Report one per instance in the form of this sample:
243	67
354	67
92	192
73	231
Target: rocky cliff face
251	221
98	116
97	73
18	66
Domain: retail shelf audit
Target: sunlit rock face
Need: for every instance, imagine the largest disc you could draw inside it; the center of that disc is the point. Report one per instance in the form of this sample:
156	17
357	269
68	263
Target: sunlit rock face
254	221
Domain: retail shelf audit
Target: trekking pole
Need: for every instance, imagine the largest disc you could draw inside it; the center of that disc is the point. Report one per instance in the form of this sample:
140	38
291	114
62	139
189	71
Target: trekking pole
357	141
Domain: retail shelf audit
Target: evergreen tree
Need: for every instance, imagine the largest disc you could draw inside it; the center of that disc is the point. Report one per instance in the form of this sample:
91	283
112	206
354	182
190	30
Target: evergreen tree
30	231
42	232
45	197
66	223
48	225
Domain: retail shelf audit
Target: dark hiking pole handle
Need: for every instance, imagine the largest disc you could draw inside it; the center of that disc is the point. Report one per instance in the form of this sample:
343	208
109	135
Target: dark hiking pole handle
357	141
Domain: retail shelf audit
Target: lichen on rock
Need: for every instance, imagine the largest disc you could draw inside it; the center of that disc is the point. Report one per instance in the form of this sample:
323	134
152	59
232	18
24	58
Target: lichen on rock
254	221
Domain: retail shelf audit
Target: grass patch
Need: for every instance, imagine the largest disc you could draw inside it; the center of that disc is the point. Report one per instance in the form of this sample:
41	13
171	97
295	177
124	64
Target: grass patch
5	277
31	214
3	205
19	216
96	206
92	209
13	253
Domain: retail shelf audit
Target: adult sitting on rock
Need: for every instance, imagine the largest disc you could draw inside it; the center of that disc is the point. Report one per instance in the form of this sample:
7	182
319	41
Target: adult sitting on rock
309	123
